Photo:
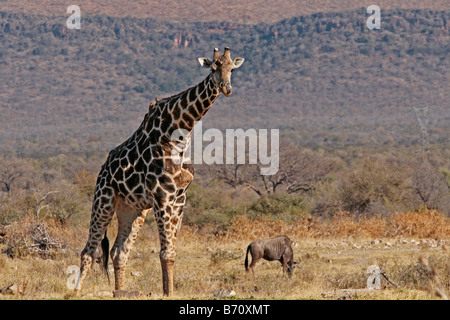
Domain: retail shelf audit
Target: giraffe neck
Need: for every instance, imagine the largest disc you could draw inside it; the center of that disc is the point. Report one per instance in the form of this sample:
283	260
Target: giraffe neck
183	110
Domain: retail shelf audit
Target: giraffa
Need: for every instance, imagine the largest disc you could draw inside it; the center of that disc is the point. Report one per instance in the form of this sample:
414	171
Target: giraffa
141	175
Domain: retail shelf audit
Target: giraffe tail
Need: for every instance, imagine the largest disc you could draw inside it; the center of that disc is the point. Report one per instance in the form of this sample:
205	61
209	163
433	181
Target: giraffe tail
105	255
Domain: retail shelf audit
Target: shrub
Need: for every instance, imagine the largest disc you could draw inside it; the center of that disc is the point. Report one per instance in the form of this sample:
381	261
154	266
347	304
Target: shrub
283	206
431	188
374	186
422	224
423	274
31	236
425	224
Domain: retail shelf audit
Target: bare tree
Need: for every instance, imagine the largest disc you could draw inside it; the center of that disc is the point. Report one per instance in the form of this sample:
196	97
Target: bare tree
41	201
431	187
12	171
300	170
232	175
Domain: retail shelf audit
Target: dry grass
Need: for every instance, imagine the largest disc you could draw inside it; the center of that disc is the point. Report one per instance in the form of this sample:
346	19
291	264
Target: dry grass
31	236
331	254
424	224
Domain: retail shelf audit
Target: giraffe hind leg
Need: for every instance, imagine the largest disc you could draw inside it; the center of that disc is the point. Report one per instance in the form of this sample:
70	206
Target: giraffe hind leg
130	221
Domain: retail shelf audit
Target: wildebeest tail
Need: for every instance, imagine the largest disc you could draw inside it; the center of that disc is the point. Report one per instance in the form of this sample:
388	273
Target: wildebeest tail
105	255
246	258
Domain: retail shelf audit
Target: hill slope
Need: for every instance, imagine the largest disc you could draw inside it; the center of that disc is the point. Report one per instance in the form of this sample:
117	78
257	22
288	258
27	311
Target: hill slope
324	79
236	11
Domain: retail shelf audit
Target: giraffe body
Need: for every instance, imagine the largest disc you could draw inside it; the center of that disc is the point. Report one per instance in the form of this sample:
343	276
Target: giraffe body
141	174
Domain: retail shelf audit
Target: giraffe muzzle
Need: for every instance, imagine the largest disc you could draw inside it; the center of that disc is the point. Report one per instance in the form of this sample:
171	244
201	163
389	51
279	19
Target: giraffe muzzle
226	88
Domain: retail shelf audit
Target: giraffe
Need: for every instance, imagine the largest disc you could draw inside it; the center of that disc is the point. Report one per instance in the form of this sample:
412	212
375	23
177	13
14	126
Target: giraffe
141	175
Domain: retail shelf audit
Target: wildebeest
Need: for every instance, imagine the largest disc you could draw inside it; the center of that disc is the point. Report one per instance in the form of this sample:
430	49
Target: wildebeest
278	248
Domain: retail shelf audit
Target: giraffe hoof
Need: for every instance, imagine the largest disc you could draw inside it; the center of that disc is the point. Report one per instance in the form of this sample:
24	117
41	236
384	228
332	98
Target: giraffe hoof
126	294
71	295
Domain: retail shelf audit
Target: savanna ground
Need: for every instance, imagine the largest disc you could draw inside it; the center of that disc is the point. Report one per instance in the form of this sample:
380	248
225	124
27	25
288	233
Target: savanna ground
411	248
399	206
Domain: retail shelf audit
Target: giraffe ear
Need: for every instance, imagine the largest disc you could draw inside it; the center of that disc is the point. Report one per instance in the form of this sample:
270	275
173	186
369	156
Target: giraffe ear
205	62
238	62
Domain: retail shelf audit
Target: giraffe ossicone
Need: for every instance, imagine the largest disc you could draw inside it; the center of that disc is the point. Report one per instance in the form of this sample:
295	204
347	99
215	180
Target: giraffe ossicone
141	175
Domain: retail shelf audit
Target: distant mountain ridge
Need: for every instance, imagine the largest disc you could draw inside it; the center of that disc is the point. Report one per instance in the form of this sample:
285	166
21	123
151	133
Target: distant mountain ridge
235	11
324	79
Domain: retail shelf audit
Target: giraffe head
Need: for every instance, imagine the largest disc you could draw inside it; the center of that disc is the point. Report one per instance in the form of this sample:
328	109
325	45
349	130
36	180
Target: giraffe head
221	68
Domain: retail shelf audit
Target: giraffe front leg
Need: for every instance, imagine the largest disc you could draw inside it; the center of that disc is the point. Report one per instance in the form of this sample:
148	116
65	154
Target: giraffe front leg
168	219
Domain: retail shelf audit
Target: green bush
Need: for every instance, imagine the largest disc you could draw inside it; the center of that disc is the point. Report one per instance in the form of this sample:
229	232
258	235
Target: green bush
279	206
208	206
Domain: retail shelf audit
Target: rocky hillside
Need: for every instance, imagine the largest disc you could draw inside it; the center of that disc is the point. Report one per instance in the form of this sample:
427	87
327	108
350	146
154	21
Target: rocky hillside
324	79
